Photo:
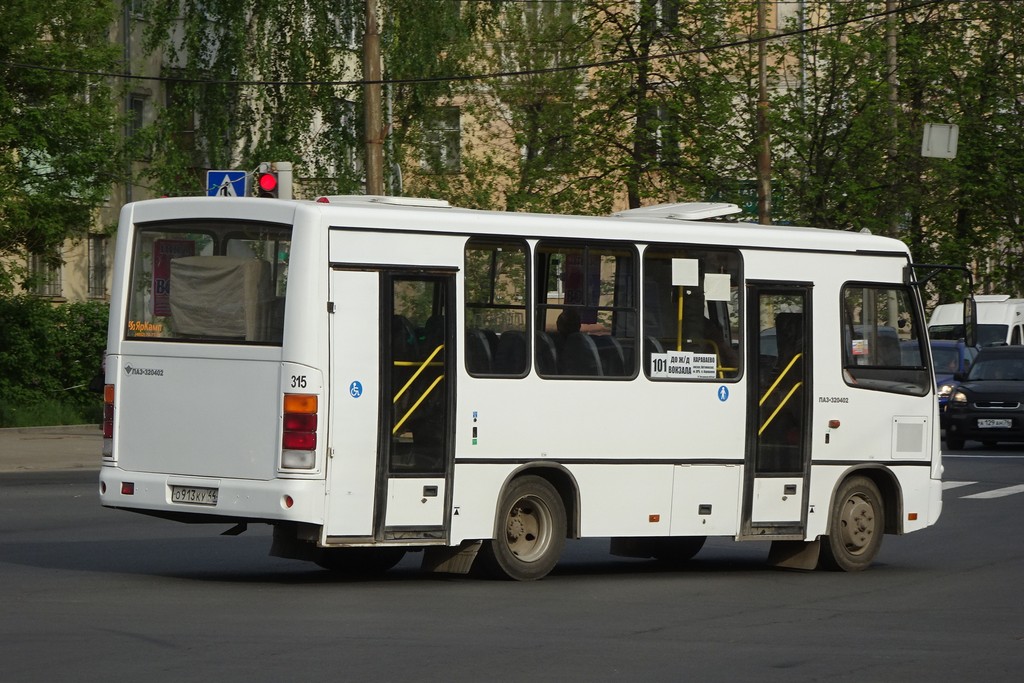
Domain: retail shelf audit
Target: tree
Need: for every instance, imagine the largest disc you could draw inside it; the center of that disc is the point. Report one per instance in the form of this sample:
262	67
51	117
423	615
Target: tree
252	81
59	149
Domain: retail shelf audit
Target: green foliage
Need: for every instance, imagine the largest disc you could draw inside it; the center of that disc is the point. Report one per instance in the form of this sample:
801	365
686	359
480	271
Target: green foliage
48	356
58	139
601	102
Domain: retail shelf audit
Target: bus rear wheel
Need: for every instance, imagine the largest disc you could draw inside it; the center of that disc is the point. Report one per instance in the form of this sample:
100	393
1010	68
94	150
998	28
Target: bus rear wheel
530	534
856	526
359	561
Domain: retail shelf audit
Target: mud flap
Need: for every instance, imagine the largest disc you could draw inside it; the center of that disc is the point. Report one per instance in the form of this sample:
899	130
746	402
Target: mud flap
451	560
795	554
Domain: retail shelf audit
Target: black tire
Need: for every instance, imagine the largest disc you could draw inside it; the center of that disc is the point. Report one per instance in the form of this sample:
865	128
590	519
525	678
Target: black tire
954	443
530	532
677	551
360	562
856	526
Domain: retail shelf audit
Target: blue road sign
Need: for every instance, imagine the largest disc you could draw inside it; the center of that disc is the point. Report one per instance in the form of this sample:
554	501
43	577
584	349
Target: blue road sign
226	184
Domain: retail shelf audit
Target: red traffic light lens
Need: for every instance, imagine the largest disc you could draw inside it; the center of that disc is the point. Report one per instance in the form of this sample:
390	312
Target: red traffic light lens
268	182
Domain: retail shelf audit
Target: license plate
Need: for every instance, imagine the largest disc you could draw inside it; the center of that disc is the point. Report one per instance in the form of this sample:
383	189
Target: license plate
990	423
194	495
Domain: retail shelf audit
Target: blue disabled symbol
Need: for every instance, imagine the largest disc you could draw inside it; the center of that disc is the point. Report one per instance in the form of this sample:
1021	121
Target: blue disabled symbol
355	389
723	394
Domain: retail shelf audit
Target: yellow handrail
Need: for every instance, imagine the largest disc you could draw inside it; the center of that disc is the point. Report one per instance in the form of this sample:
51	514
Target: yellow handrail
416	374
416	405
779	407
772	388
422	366
779	379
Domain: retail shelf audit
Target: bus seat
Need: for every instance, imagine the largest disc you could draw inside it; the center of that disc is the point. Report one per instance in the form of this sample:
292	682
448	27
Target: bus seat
547	354
789	335
492	341
511	356
579	356
478	353
609	350
403	339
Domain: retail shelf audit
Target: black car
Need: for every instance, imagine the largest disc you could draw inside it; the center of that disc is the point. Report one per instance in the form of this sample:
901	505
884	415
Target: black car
988	405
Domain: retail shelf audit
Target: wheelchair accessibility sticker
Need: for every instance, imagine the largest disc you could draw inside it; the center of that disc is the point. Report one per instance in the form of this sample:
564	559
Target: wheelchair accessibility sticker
355	389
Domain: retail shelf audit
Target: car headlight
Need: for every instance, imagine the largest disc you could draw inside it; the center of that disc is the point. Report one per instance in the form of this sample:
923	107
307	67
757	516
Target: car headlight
946	389
959	398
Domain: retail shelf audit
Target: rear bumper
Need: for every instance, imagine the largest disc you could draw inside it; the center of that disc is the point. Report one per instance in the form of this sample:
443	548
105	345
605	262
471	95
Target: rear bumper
238	500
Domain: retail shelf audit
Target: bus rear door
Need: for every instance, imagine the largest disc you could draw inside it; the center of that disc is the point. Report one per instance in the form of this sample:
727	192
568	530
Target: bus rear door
391	339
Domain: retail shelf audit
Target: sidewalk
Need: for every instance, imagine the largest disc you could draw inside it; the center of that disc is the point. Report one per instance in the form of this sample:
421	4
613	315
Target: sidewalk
35	449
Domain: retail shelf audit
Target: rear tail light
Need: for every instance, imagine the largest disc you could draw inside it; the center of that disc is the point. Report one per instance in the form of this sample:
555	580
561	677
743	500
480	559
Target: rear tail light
298	442
108	420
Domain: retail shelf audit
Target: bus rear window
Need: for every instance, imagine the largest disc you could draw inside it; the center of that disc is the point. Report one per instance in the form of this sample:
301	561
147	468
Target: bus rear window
220	282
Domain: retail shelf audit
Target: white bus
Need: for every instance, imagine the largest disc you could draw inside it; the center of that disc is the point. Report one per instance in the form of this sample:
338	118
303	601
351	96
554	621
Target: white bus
373	376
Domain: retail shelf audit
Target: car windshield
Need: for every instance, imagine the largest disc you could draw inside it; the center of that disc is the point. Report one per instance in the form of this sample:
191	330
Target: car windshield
998	369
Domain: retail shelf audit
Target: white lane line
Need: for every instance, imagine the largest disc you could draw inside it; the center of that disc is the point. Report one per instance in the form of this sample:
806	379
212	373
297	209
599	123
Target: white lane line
946	485
998	493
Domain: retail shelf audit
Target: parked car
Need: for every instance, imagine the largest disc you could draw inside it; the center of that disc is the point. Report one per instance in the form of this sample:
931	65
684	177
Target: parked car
988	403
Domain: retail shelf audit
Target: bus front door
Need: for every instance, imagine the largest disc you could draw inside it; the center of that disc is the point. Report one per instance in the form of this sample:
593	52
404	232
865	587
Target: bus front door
778	447
389	477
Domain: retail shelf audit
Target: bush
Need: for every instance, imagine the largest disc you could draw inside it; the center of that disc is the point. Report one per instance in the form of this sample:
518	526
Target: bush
48	355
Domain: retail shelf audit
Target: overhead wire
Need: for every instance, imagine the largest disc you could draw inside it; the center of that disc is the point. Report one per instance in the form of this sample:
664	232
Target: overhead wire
462	78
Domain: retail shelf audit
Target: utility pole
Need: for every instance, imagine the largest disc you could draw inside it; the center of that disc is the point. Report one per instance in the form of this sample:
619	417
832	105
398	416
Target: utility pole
894	103
373	124
764	154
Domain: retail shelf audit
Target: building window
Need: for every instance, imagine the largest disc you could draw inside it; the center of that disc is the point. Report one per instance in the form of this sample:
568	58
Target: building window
668	14
98	266
136	121
442	141
136	114
44	277
548	134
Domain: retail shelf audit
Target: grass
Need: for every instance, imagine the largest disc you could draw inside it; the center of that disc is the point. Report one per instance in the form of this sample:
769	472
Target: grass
48	413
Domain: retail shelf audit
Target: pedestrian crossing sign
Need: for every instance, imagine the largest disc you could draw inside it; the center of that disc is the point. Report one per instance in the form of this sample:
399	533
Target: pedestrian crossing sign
226	184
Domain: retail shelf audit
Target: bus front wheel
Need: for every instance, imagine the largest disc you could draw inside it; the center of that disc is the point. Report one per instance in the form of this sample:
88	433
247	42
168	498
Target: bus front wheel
530	533
856	526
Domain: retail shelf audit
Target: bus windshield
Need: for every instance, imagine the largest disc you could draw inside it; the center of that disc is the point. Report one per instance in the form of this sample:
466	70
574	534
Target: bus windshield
221	282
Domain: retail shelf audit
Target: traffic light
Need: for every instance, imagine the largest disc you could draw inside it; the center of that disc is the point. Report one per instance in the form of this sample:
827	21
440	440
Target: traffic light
267	184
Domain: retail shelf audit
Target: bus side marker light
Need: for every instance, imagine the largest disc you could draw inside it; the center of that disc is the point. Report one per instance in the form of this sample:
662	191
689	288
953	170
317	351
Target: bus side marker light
654	519
127	488
911	516
287	502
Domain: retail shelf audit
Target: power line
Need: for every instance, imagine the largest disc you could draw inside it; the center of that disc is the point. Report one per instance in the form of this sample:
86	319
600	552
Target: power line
462	78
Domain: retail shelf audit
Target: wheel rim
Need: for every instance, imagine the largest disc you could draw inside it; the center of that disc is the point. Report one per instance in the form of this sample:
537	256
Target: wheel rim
857	523
528	532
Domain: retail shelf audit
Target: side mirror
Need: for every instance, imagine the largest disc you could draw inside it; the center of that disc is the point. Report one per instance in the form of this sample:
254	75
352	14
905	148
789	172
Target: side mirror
970	321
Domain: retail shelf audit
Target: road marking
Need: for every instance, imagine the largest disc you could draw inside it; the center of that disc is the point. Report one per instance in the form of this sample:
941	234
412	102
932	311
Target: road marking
946	485
999	493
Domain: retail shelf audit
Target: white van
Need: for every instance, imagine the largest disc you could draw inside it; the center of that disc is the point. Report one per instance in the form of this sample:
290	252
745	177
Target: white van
1000	320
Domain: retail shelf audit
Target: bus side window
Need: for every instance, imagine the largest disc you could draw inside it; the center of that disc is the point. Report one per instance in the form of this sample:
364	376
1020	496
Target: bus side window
691	309
586	310
882	339
495	277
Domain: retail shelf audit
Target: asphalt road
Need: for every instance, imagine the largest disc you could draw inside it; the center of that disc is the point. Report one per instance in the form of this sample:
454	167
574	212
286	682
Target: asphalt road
90	594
